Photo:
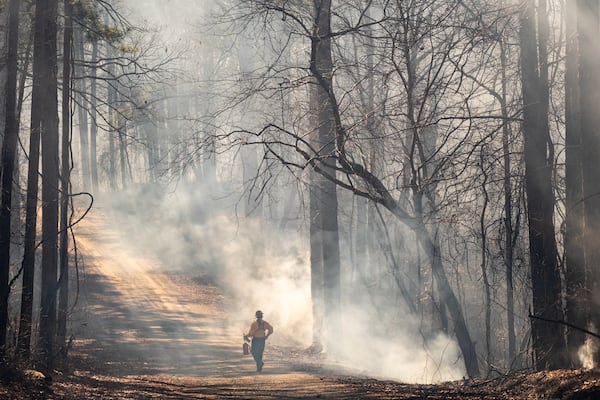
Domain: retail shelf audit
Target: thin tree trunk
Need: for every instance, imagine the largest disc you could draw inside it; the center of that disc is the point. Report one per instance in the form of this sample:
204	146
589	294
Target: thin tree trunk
113	121
484	269
63	287
9	151
508	212
125	179
94	113
112	168
82	112
152	149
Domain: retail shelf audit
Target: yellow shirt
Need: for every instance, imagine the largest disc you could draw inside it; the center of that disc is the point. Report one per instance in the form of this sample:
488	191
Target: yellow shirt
255	331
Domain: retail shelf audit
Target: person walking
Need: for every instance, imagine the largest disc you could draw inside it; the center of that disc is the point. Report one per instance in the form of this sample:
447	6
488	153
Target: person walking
259	331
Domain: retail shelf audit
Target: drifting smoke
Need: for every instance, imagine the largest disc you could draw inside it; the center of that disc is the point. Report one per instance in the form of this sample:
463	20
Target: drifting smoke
198	228
257	266
587	351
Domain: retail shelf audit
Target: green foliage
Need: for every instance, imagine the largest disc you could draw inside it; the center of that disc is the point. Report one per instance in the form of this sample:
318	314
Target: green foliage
89	16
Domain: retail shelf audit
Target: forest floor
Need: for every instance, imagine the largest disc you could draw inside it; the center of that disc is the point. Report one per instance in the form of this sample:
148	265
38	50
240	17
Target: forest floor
141	333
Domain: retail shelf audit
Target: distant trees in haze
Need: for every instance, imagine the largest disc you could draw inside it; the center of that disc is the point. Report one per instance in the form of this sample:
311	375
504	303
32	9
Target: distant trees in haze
442	151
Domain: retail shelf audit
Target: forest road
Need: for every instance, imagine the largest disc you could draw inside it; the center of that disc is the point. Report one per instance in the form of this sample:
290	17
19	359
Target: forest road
142	333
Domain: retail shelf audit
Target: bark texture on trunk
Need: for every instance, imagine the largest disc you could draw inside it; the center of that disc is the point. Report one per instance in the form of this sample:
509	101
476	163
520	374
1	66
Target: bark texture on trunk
548	346
322	70
588	25
45	67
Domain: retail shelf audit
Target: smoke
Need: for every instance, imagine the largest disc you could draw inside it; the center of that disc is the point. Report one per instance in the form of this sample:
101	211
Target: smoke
402	354
196	229
199	228
587	351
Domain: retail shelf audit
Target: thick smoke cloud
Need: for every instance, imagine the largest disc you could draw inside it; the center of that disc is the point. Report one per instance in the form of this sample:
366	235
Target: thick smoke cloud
196	230
199	228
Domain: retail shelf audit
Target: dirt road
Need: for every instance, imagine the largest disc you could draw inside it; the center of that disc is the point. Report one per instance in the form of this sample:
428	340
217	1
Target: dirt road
139	333
166	334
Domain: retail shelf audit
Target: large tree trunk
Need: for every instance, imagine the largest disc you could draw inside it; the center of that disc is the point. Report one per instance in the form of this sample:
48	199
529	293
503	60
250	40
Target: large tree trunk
575	275
45	78
322	69
316	262
316	229
588	25
29	245
9	151
548	344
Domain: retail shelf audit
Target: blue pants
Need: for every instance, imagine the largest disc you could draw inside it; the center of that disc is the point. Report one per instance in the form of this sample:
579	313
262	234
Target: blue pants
258	348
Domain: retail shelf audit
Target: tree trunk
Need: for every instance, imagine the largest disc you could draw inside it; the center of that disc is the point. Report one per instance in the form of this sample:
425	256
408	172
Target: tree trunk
9	151
45	78
508	215
366	239
316	263
152	148
29	245
316	230
449	300
63	286
82	112
484	267
94	113
575	275
322	69
111	83
123	157
588	24
548	344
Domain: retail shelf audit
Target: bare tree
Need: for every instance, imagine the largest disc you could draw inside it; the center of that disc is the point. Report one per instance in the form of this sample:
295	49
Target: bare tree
321	68
548	346
9	150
